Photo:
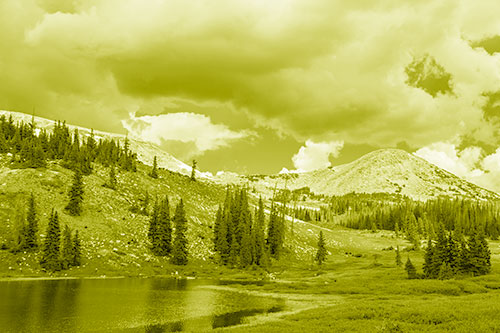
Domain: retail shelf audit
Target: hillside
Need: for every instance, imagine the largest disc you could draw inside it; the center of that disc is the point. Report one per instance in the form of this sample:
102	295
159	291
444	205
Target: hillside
384	170
145	150
114	238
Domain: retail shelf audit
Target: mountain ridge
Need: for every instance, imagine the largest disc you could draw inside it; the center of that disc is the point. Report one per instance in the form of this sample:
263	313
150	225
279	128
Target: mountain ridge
386	170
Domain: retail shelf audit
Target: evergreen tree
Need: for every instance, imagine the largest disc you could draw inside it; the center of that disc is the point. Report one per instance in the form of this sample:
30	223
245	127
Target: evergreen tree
398	257
76	252
154	170
429	266
164	229
153	227
275	234
31	234
247	249
66	248
479	255
217	227
321	252
50	251
193	170
258	233
410	269
180	251
74	206
112	182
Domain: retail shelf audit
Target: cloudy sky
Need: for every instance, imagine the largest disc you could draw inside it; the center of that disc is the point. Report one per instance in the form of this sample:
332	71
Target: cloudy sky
255	86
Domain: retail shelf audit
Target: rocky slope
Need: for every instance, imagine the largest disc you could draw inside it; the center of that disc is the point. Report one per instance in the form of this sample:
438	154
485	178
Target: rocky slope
385	170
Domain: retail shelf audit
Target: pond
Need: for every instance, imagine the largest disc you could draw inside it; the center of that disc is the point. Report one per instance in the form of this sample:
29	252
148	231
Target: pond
129	305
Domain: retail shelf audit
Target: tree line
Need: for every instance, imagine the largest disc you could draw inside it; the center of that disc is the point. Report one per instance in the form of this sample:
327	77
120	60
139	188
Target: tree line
32	147
243	238
59	249
167	235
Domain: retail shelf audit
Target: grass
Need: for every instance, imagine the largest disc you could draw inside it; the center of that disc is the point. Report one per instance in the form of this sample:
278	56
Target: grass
359	288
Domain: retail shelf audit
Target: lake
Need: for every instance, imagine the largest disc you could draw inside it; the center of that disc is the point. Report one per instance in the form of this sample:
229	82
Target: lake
128	305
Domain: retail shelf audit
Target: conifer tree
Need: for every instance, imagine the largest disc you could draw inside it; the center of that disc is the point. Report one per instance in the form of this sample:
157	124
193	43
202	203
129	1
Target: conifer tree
321	252
179	250
164	229
247	249
193	170
31	225
410	269
50	251
275	234
429	266
76	253
398	257
112	182
66	248
154	170
217	227
74	206
479	255
153	227
258	233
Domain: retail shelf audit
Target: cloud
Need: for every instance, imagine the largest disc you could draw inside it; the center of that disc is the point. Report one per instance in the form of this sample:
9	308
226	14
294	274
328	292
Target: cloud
315	155
309	69
184	134
446	155
470	163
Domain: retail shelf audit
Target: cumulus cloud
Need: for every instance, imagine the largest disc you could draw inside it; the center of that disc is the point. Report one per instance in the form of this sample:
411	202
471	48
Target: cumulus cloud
184	134
315	155
470	163
310	69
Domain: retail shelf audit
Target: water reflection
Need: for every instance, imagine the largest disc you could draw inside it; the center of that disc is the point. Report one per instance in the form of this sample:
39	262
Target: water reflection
137	305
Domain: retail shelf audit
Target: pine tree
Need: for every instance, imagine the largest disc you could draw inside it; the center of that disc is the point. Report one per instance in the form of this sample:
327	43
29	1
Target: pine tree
247	249
74	206
112	182
76	253
50	251
275	234
164	229
31	234
66	248
154	170
153	227
410	269
180	251
217	227
398	257
479	255
223	236
193	171
321	252
429	265
258	233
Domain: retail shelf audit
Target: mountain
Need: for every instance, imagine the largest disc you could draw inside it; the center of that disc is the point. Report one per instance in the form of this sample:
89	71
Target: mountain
145	150
384	170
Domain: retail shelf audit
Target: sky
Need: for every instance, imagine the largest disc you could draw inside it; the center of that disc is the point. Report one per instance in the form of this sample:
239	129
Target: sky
256	86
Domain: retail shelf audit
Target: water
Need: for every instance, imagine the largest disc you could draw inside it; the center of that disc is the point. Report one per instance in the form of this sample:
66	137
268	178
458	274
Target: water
129	305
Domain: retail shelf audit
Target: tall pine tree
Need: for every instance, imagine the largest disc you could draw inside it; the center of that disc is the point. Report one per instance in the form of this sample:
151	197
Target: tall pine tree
180	251
31	225
74	206
321	252
50	251
66	248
